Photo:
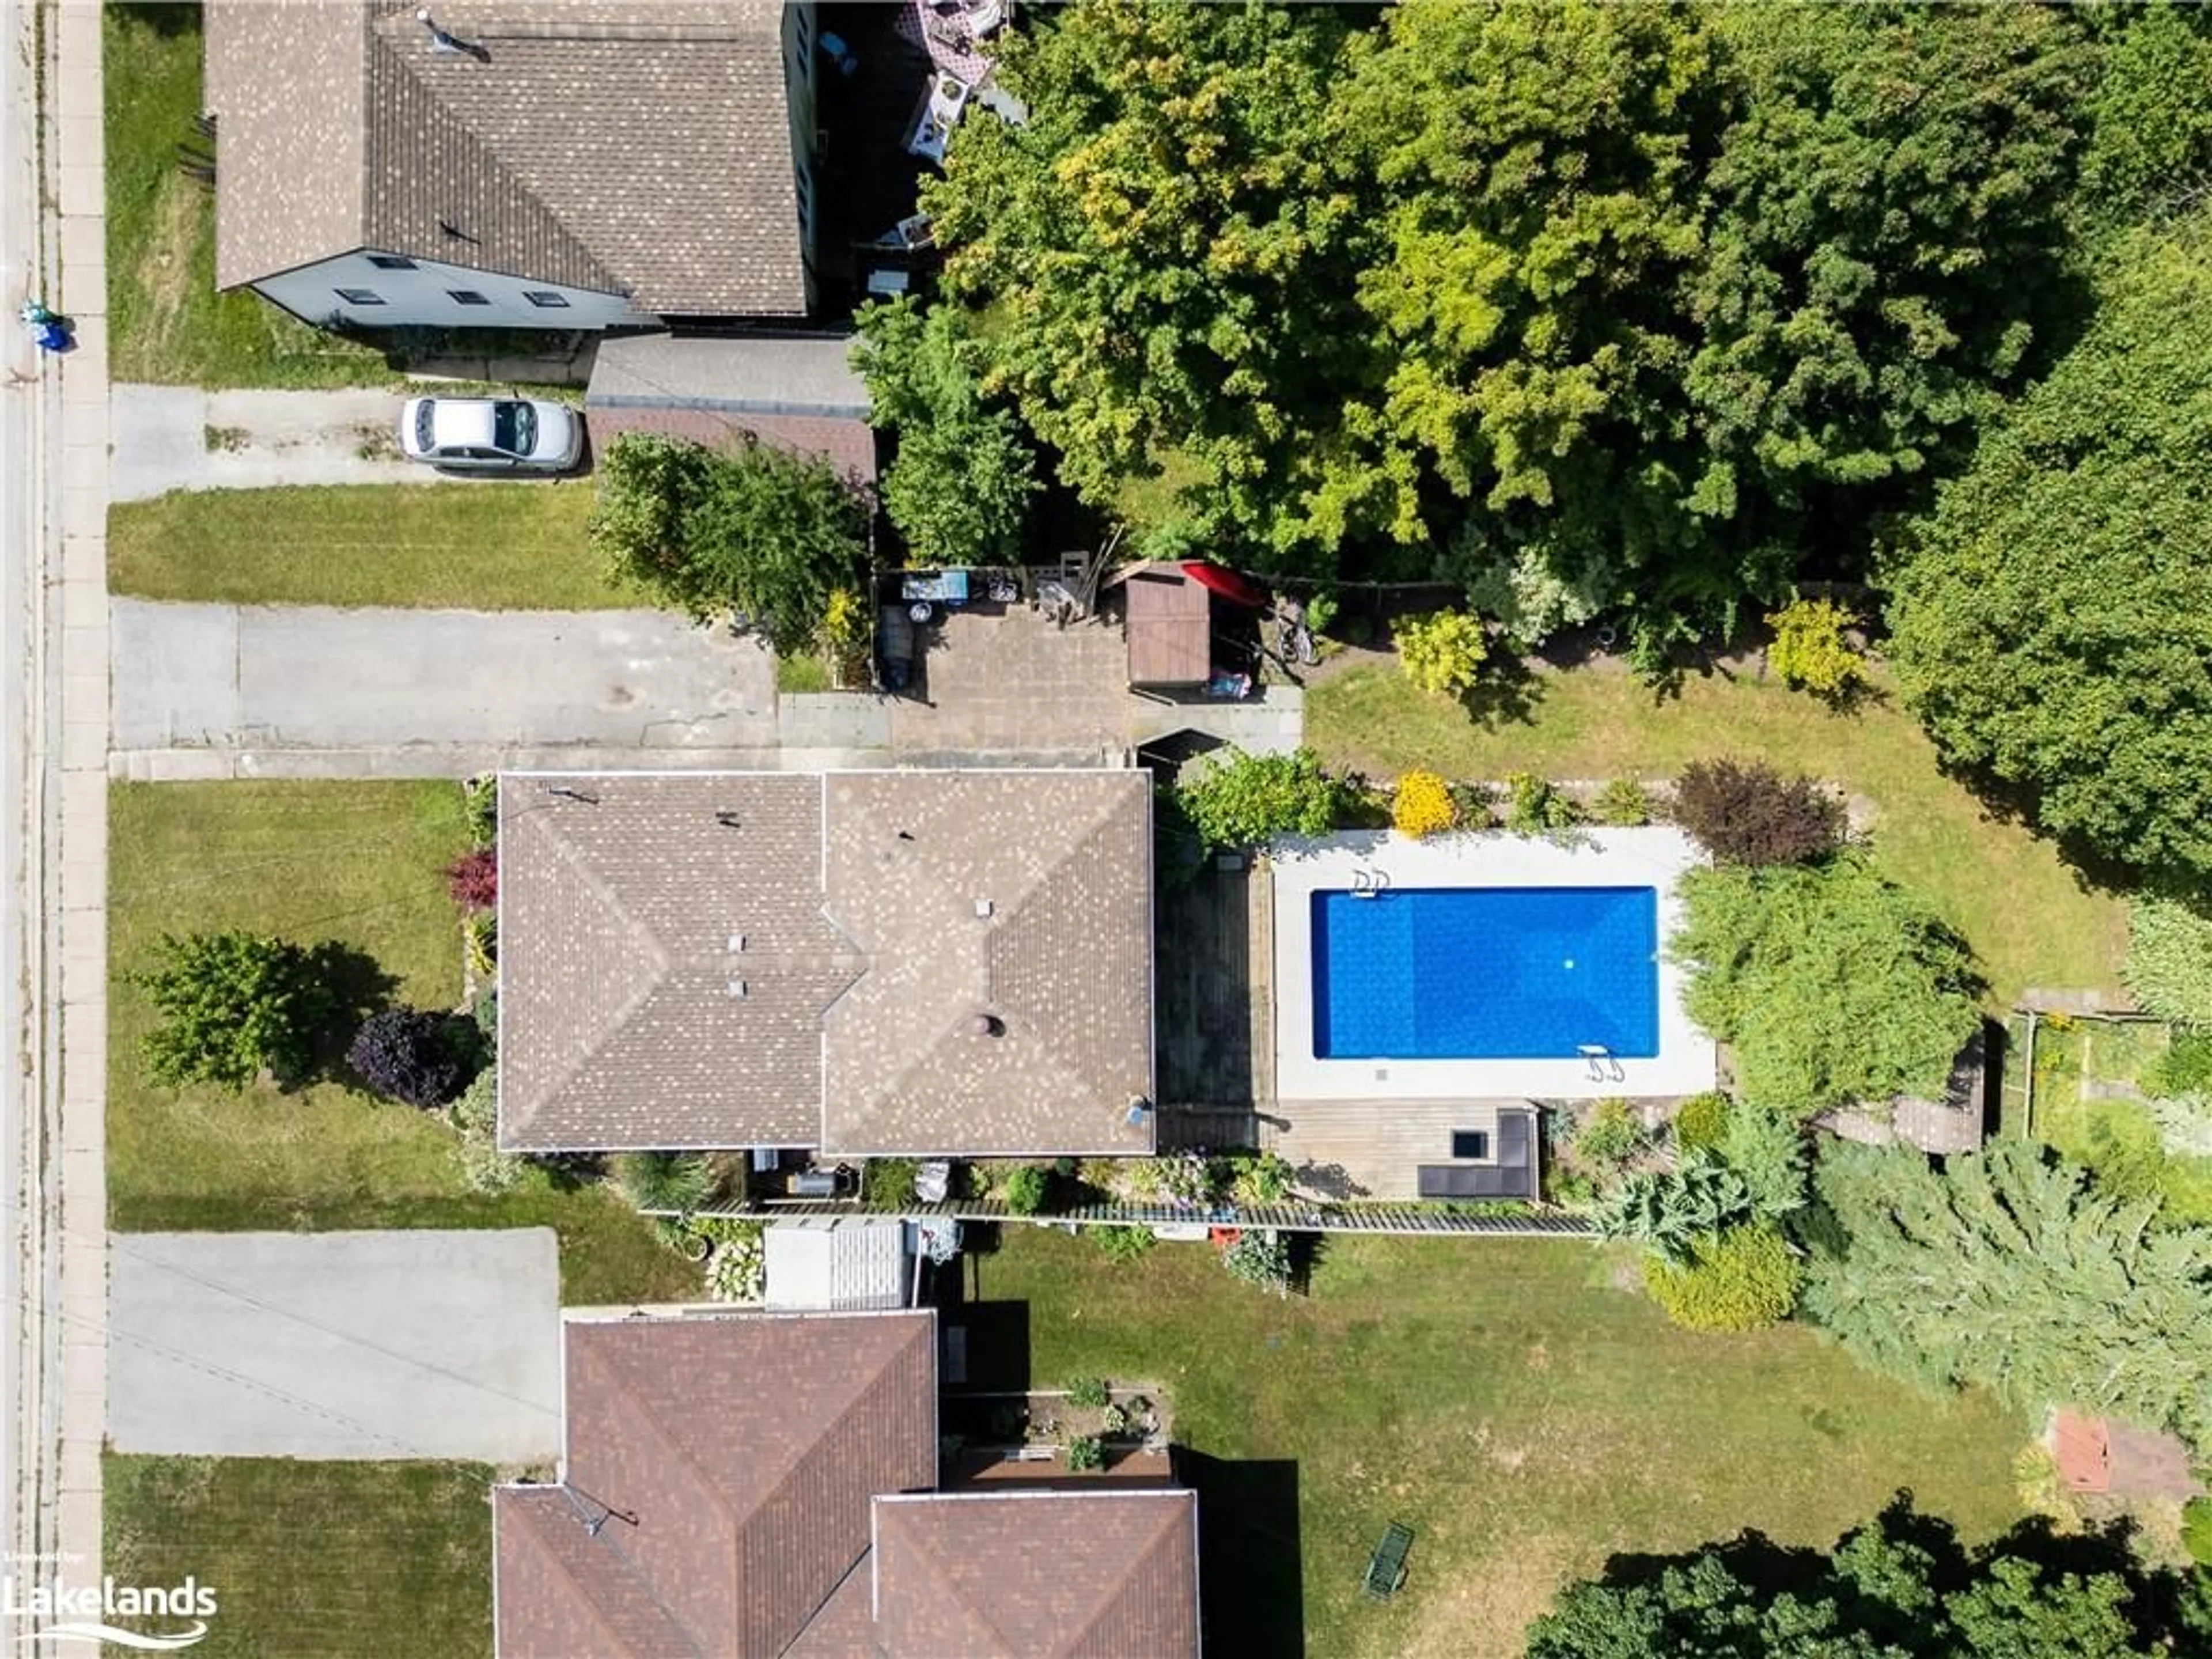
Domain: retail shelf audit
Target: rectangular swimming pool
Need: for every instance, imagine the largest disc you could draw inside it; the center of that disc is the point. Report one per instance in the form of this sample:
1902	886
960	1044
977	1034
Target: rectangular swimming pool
1486	973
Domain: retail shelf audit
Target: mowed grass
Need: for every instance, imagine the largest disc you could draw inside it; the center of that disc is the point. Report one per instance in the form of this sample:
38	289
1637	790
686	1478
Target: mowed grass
357	863
472	546
1499	1397
309	1560
166	323
2028	915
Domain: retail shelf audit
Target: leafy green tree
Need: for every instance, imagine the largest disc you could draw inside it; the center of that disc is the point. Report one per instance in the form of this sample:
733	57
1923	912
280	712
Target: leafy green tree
769	535
1540	171
1166	248
1886	249
1742	1279
234	1003
2018	1275
2169	960
2151	115
1833	984
1670	1211
2048	621
1902	1587
1247	800
958	489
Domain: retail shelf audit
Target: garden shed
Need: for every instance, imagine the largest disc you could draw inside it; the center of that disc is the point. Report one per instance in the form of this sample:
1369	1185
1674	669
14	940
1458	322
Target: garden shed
837	1264
1167	617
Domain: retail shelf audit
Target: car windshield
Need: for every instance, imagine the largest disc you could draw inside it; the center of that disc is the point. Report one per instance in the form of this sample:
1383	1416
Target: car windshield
426	413
514	428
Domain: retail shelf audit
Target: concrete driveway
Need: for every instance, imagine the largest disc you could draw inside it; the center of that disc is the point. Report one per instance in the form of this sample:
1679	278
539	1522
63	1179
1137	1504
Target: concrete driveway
368	1345
431	693
168	437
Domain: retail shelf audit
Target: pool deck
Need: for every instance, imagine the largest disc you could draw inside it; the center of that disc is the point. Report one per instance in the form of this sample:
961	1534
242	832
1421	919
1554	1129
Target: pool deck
1685	1064
1374	1149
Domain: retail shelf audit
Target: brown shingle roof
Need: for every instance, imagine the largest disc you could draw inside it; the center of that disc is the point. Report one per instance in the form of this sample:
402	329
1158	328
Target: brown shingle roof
638	146
1037	1574
747	1449
722	960
1168	620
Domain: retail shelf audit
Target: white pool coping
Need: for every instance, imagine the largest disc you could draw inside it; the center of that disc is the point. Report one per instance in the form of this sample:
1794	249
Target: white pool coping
1686	1062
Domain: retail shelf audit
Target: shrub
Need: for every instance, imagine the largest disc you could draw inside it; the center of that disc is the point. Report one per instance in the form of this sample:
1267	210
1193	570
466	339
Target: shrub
1084	1452
475	1118
1189	1179
480	809
1442	653
1811	650
1248	801
1625	804
1743	1279
1260	1257
1750	814
1088	1393
1026	1188
1470	805
1265	1179
409	1054
1113	1420
232	1003
1533	807
2186	1068
1320	611
2197	1530
480	941
1670	1209
670	1182
1768	1150
1609	1136
1702	1121
1422	806
1123	1244
736	1267
2185	1123
2169	960
473	878
888	1179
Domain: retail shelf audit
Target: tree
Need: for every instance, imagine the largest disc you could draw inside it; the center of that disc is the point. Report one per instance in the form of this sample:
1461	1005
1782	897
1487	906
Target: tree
768	535
2151	116
232	1005
1441	653
1767	1151
1812	648
1742	1279
1422	806
2048	619
1902	1587
410	1054
2016	1274
1886	251
1833	984
1749	813
959	487
1671	1210
1248	801
2169	960
1166	248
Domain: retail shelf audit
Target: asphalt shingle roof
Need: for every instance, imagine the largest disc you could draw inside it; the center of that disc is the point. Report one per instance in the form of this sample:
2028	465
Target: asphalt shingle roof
628	146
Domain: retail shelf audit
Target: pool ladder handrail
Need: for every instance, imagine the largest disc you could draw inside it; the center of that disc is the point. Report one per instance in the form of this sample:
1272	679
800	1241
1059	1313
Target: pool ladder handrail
1369	884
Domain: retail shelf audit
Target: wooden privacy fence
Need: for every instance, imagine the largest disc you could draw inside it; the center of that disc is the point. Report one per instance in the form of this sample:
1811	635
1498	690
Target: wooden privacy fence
1398	1219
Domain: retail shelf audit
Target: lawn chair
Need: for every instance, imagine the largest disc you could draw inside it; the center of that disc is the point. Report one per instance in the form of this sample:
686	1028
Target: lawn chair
1386	1568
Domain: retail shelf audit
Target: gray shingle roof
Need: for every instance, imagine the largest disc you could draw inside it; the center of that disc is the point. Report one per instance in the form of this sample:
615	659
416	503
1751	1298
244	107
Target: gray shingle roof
738	959
639	146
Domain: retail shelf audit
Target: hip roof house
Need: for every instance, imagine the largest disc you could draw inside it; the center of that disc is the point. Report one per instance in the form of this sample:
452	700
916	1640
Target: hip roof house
762	1485
915	962
571	164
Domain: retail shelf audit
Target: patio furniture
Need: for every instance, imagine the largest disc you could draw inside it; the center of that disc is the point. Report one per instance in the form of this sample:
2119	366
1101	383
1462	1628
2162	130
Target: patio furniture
932	1180
940	113
1386	1568
937	587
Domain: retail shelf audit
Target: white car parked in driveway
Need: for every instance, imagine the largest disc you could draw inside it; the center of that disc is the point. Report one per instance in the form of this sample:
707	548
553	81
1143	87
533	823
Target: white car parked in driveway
491	435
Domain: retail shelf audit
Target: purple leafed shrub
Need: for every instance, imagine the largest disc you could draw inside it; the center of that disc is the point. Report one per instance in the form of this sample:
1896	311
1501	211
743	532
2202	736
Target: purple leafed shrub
408	1054
473	878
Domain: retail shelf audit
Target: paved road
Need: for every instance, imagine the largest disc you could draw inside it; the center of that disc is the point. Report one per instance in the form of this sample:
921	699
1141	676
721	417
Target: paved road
367	1345
169	437
243	678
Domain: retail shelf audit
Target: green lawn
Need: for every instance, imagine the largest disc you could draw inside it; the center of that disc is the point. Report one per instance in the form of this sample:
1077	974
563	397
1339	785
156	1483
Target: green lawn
311	1561
2025	911
168	324
360	864
474	546
1524	1418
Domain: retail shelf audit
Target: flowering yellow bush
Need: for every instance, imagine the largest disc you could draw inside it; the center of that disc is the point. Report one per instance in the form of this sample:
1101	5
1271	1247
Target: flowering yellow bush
1443	651
1812	648
1424	806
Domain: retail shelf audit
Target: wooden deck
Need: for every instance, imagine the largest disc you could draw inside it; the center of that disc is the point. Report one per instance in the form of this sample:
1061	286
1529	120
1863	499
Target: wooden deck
1212	968
1373	1148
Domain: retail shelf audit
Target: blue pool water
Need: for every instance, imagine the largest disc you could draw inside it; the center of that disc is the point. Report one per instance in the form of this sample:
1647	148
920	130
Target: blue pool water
1486	973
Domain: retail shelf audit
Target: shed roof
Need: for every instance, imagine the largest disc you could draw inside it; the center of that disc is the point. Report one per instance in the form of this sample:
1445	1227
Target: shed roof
739	959
641	147
841	1263
1169	621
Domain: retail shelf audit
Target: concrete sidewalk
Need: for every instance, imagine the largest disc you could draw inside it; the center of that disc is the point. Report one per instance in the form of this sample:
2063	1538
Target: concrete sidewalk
226	678
178	437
